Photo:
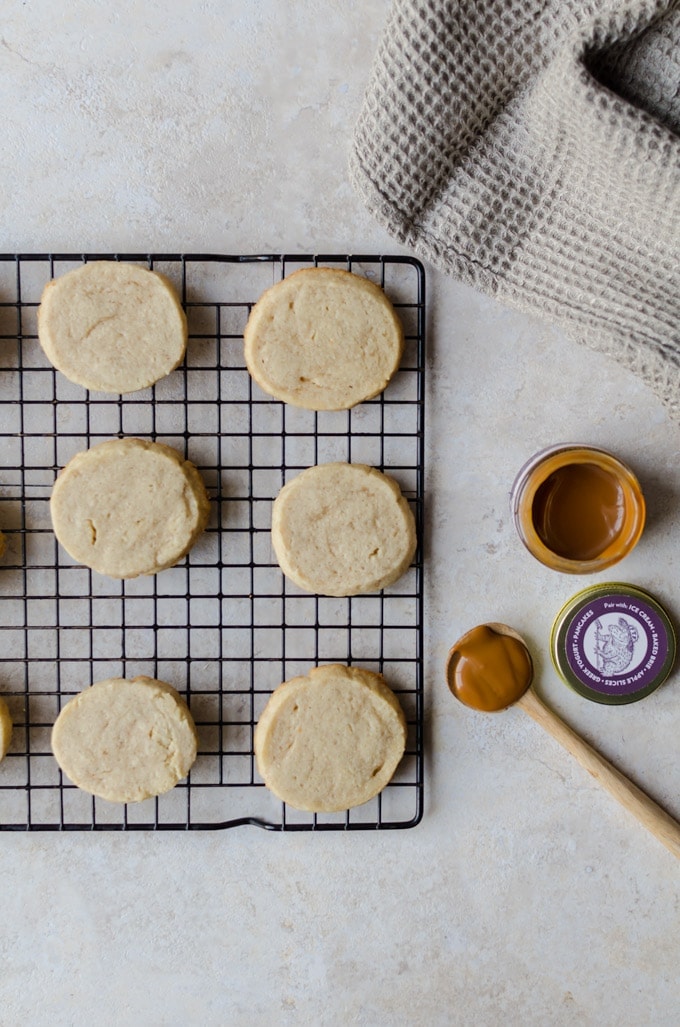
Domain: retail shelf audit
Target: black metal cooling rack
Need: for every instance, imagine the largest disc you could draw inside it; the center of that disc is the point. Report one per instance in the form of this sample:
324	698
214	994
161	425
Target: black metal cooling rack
224	627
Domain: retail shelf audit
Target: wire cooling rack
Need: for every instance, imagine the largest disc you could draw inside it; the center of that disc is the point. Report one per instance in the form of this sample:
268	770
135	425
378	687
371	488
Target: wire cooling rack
224	627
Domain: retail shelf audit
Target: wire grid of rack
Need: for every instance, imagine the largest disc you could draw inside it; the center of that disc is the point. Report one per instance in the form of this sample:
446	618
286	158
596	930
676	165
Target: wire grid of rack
224	627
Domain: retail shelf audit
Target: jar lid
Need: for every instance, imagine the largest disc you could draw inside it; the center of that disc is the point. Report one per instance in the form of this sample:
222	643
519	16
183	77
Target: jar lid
613	643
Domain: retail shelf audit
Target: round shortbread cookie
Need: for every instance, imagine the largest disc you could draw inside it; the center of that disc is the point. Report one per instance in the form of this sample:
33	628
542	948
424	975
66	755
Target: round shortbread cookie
339	529
125	740
331	740
324	339
128	507
5	728
112	327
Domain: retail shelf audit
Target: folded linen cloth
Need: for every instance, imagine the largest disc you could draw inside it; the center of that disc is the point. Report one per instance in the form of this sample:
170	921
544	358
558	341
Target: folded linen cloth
532	149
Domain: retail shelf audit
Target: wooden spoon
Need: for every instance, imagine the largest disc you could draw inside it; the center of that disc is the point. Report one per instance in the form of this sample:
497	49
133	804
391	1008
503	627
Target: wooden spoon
490	668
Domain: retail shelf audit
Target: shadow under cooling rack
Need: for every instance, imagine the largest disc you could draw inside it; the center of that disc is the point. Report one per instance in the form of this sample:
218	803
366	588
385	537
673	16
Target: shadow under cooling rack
224	627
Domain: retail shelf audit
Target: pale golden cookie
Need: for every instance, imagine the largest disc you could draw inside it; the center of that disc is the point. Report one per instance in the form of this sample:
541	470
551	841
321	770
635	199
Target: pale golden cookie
112	327
5	728
324	339
339	529
331	740
128	507
125	740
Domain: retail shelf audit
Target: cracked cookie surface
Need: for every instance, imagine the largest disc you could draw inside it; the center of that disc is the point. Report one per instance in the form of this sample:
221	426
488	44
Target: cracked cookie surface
128	507
125	740
112	327
323	339
341	529
331	740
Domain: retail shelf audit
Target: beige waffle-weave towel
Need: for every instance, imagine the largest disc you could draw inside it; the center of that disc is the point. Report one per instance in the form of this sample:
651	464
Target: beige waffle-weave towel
532	149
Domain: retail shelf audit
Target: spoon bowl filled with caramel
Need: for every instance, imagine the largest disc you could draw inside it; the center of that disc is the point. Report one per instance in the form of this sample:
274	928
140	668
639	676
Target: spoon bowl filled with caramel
490	668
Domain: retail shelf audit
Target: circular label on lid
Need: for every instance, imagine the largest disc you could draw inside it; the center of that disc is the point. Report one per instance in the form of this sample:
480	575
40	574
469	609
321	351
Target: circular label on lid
613	644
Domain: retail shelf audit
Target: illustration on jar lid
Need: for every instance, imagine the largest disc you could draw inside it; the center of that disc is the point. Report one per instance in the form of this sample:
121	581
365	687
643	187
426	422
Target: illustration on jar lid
613	643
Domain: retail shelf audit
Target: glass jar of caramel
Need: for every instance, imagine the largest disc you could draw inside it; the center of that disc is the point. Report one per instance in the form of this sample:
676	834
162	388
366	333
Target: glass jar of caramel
577	509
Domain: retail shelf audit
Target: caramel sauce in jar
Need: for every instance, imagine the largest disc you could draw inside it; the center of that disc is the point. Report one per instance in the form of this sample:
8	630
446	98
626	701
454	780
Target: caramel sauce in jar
489	669
578	509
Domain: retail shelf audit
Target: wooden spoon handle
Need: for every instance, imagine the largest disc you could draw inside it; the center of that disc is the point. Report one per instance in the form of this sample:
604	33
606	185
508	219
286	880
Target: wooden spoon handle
651	815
